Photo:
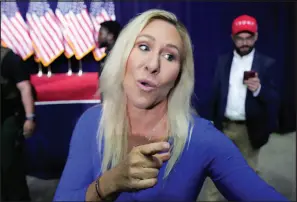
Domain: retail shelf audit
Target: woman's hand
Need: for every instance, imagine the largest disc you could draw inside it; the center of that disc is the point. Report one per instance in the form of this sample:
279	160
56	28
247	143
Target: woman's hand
140	169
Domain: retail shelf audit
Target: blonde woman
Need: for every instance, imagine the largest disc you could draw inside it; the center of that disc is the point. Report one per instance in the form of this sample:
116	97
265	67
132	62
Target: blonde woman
144	142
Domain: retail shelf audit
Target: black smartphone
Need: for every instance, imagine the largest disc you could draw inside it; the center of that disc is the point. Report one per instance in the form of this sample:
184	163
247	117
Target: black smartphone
248	74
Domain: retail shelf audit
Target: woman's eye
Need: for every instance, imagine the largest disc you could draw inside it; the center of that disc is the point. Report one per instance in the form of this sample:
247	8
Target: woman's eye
144	47
169	57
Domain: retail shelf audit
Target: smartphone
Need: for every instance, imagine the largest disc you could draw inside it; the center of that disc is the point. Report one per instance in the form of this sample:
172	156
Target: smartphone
248	74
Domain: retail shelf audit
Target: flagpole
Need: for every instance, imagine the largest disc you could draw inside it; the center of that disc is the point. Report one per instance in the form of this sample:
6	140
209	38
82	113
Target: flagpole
49	71
39	74
80	72
69	73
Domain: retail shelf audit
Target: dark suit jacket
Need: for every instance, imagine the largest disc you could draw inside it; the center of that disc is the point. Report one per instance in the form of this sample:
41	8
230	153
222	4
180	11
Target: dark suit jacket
261	111
103	60
101	64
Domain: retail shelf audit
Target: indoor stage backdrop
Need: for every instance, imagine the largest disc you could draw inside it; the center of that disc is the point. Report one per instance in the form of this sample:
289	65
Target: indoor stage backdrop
209	24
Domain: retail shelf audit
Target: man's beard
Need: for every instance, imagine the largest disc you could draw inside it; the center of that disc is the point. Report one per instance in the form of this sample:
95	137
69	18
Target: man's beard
244	50
103	44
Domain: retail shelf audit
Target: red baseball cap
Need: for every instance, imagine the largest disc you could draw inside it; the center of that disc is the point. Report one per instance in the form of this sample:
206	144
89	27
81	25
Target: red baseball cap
244	23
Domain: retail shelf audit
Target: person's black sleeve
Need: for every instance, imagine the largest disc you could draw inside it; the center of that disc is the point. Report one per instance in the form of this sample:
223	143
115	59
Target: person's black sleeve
16	67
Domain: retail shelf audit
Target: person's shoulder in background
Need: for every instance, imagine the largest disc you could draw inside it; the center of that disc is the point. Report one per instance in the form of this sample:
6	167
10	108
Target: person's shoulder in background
10	67
268	59
8	58
11	58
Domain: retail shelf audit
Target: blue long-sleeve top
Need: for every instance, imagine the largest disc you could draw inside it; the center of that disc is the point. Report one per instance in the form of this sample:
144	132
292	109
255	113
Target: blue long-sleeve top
208	153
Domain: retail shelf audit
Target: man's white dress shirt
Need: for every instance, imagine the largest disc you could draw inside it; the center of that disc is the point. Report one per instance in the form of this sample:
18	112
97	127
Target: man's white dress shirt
235	109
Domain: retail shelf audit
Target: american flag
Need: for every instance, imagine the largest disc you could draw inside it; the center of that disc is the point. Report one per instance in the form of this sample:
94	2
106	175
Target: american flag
108	11
37	57
14	31
45	32
100	11
79	30
63	9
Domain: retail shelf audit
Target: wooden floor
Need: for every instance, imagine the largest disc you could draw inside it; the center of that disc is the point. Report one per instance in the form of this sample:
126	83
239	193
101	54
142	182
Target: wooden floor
277	164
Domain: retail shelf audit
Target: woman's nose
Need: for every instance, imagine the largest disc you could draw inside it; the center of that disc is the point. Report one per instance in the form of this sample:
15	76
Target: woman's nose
153	63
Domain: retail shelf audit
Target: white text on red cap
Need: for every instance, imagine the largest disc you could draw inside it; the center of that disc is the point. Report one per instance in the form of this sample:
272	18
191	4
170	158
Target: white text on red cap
244	22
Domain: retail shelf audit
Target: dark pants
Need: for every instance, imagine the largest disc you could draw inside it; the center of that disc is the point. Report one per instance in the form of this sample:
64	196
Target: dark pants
101	98
13	176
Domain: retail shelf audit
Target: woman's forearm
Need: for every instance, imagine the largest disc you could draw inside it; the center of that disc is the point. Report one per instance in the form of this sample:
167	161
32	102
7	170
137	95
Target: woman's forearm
106	187
27	97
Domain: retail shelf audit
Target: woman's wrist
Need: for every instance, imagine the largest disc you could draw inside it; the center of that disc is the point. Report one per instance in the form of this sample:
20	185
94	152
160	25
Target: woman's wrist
107	185
103	189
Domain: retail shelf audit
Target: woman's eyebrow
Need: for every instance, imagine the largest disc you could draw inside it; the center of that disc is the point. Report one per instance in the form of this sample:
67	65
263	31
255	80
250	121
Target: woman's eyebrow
153	39
147	36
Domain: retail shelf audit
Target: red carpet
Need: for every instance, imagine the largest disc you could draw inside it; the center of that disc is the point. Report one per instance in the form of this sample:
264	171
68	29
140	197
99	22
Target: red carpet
63	87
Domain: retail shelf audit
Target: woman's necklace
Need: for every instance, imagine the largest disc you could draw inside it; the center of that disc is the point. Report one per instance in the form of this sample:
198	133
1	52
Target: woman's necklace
149	136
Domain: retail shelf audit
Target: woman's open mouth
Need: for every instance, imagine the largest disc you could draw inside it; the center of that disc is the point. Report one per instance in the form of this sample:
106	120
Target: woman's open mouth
146	85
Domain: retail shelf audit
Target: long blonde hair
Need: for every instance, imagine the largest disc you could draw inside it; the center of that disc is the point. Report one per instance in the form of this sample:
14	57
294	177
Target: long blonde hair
114	126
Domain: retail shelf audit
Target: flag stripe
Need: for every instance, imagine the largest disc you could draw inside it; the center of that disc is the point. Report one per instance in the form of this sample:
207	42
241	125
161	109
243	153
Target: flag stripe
12	40
100	19
39	31
48	39
79	37
8	42
22	47
24	29
52	38
84	25
14	37
68	50
52	21
62	23
87	18
53	35
21	20
14	31
46	36
96	25
99	53
76	41
41	53
100	12
37	56
70	37
105	15
37	39
80	30
14	27
61	18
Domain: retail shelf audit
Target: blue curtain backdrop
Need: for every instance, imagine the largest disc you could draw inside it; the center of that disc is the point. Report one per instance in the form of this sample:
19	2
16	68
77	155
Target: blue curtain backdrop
209	24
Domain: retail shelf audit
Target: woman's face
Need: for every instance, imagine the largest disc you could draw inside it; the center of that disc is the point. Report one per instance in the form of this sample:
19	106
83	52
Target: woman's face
153	64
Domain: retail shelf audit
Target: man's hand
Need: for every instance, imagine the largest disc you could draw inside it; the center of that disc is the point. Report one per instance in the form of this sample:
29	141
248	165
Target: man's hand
29	127
253	83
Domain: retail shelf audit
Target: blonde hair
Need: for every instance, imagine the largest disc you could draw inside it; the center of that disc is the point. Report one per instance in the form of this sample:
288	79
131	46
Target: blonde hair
114	125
